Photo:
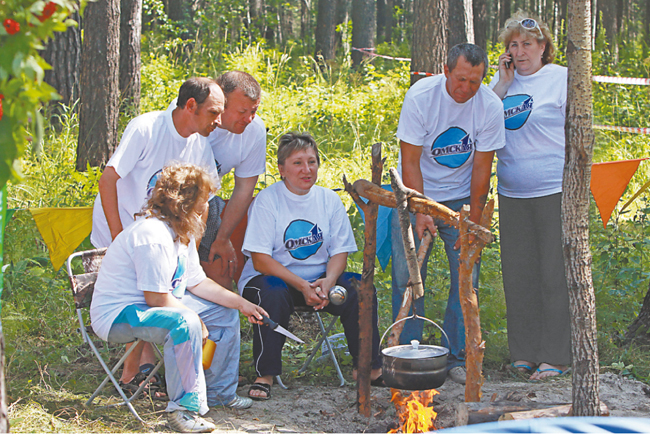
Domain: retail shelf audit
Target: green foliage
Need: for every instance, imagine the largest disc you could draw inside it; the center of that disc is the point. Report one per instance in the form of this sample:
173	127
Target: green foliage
21	74
346	111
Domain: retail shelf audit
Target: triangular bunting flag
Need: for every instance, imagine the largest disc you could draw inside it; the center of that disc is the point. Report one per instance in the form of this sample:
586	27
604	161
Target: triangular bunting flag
608	182
63	229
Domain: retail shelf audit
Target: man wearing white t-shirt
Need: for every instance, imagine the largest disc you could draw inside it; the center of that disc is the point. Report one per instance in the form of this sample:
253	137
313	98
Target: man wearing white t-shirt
449	128
150	142
238	143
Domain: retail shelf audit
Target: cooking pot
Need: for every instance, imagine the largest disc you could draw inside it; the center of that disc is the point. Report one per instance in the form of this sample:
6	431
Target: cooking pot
415	366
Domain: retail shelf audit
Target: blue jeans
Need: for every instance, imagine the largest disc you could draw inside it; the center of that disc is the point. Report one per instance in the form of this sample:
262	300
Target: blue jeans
454	324
189	386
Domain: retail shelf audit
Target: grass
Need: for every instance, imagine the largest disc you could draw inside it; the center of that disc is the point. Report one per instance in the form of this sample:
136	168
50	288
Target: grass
50	373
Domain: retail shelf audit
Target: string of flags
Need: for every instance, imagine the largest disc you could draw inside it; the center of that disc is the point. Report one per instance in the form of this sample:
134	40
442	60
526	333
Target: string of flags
63	229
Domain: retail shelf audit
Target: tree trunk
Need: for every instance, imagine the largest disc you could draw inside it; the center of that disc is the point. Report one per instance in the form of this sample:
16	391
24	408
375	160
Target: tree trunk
594	16
343	19
575	211
305	22
256	17
381	20
63	53
646	26
504	12
99	84
429	48
363	28
461	22
325	44
481	24
385	10
176	9
130	62
640	327
611	27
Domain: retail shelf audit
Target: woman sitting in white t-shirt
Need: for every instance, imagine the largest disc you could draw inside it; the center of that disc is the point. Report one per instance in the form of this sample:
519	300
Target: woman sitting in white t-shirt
298	239
140	293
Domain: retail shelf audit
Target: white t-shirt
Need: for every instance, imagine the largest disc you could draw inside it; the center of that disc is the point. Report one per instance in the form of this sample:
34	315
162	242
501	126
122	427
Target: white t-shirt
149	143
300	232
245	152
143	257
532	162
450	134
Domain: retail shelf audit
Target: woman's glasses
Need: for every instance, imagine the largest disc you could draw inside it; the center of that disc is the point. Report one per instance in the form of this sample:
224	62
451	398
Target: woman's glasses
526	23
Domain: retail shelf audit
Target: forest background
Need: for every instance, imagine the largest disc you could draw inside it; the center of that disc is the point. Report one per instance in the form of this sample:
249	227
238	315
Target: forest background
312	81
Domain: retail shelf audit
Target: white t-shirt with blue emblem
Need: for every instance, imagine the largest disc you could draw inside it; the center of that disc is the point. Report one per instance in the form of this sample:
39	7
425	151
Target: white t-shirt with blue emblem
143	257
449	133
532	162
301	232
149	143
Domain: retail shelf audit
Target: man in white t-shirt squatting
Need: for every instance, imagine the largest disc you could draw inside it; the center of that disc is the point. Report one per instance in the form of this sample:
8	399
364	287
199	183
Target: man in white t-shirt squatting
150	142
238	143
449	129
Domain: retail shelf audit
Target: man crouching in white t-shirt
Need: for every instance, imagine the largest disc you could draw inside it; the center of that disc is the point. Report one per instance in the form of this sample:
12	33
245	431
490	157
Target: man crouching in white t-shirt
239	144
449	129
140	291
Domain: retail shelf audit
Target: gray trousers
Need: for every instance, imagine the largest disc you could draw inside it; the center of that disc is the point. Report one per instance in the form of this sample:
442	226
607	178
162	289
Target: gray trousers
534	281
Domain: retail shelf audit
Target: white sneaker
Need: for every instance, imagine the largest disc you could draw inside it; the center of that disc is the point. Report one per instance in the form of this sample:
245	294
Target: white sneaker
189	421
240	403
458	374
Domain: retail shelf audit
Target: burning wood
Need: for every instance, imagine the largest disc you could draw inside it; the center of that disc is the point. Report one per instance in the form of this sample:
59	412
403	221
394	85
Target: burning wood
413	411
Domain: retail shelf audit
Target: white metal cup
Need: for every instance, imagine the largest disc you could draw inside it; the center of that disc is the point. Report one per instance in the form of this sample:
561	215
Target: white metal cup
338	295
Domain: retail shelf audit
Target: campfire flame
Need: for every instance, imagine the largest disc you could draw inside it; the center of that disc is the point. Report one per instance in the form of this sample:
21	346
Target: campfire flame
413	410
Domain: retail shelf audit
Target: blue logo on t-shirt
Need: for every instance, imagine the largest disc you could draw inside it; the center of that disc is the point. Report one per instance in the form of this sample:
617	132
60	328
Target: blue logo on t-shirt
452	148
178	281
516	110
218	166
302	239
152	182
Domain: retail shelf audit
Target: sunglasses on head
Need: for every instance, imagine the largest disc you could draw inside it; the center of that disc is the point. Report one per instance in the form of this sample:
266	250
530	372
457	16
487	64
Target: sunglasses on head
527	23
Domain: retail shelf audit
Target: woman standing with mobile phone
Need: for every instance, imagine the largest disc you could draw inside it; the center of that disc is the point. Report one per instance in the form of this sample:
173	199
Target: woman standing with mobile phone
529	171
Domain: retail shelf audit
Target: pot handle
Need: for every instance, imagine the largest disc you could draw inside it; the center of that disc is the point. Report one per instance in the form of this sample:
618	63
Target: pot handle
414	316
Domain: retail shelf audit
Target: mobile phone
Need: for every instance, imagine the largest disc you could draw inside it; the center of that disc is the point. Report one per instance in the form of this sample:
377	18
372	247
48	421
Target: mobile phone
508	63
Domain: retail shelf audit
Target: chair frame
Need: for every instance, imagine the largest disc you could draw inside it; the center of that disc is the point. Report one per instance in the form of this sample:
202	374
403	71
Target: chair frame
82	286
324	337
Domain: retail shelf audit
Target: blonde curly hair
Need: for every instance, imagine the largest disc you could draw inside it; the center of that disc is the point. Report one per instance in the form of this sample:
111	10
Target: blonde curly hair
542	34
175	196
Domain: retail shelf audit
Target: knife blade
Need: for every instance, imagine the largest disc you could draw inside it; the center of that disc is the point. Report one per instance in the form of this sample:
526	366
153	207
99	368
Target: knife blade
279	329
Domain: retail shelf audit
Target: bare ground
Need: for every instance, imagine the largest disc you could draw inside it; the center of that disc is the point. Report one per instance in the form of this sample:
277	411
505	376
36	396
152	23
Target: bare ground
305	408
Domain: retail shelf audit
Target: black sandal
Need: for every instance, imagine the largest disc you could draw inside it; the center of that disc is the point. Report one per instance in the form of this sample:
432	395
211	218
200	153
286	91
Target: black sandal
378	382
156	384
266	388
132	386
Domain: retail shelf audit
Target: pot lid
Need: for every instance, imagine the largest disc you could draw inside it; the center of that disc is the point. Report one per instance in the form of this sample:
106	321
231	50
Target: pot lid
415	351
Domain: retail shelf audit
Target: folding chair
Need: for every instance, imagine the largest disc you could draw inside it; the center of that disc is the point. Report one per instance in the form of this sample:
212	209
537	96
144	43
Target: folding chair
82	286
324	337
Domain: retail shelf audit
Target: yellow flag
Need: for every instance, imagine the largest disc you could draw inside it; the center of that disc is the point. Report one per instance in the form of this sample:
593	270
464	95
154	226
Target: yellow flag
63	229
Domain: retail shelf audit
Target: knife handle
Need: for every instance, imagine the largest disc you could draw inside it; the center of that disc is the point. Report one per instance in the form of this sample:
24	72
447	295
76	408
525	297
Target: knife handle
269	322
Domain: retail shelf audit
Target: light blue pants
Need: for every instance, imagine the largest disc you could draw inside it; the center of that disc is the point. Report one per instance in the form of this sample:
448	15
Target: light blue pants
189	387
454	324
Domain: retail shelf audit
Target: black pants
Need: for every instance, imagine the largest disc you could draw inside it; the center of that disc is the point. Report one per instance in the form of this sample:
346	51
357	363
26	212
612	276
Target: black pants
279	299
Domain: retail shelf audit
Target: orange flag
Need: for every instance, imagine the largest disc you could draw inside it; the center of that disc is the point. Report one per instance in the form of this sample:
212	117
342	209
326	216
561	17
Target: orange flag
608	182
